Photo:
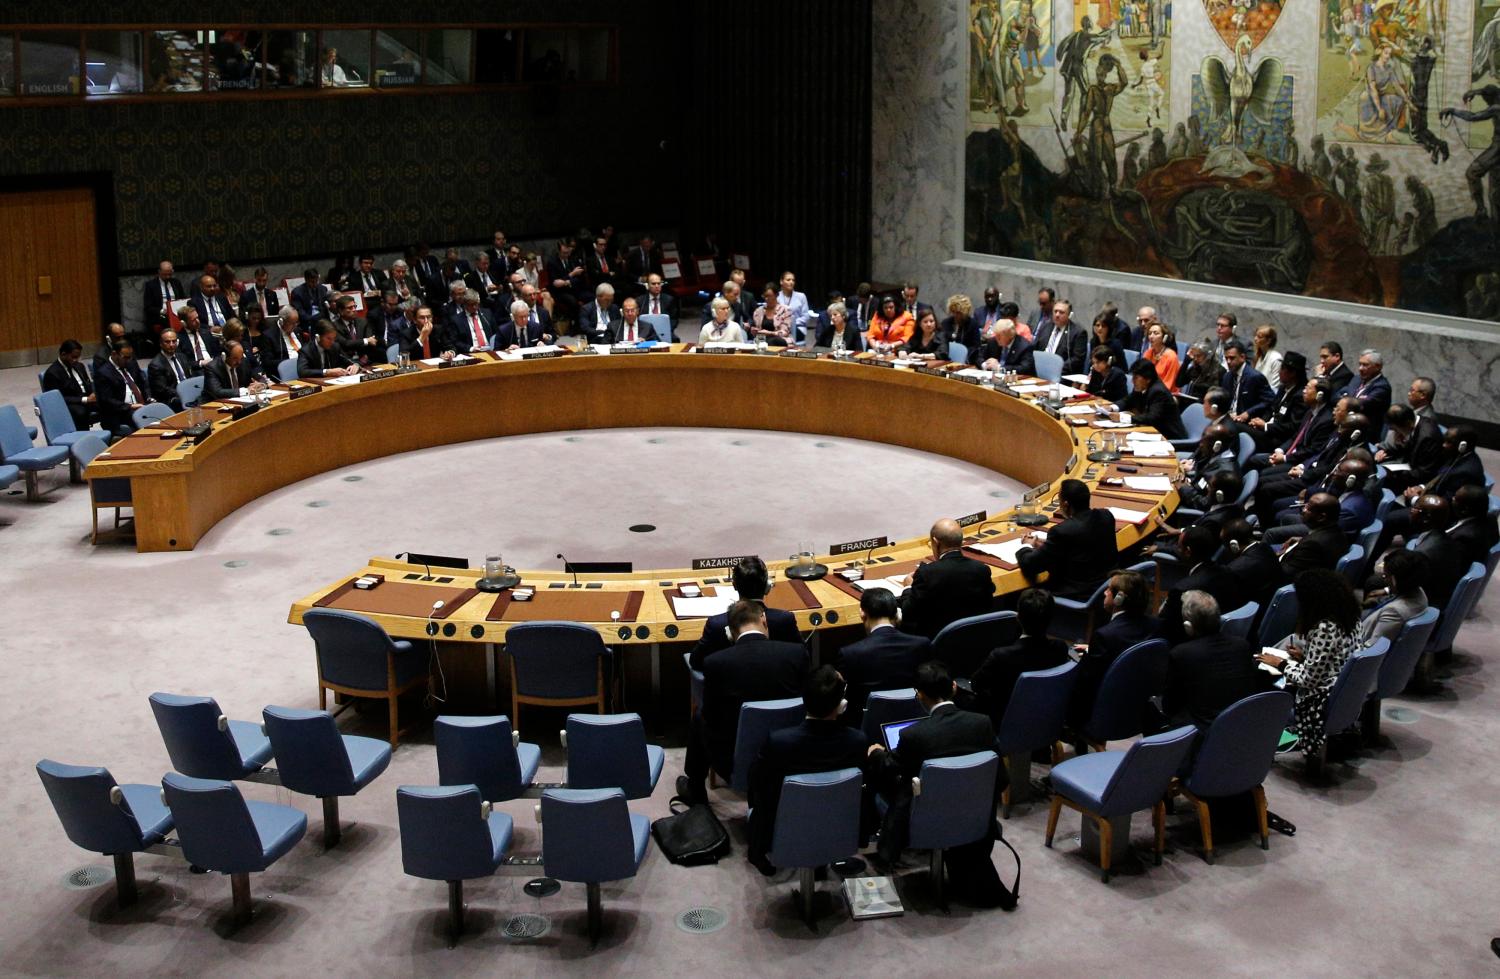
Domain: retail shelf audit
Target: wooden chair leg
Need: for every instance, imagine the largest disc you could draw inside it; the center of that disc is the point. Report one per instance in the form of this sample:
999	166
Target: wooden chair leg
1260	813
393	700
1205	828
322	697
1159	819
1106	844
1052	815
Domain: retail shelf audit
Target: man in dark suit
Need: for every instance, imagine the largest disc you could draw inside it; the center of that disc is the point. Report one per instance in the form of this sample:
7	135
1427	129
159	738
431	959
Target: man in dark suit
599	265
910	303
1309	438
159	293
1413	442
213	309
1474	530
121	389
1215	456
1331	367
404	283
386	323
1076	552
1282	487
492	289
1041	317
194	339
1198	546
1356	509
68	375
1125	602
753	668
1007	351
1208	671
498	253
429	272
600	320
470	329
168	369
280	342
367	280
1249	392
565	275
631	328
1431	515
310	299
231	375
1284	416
657	301
322	357
1371	391
821	743
751	582
1324	544
1066	339
1150	403
1460	465
1251	561
945	732
949	587
350	337
863	305
261	294
522	329
995	679
643	260
886	659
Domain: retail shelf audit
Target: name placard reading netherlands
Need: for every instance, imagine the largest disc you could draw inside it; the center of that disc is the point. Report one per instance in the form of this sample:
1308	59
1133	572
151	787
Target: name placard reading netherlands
710	563
853	546
972	519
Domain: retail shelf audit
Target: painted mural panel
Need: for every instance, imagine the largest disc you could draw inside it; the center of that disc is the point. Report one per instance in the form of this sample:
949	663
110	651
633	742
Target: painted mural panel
1012	61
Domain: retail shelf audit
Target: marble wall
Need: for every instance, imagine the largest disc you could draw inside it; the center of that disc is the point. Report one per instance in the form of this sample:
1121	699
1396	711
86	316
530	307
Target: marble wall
920	97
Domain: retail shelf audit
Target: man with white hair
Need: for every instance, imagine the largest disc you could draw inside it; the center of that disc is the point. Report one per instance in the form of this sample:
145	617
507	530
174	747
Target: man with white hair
1144	318
470	329
521	330
402	283
599	320
1372	392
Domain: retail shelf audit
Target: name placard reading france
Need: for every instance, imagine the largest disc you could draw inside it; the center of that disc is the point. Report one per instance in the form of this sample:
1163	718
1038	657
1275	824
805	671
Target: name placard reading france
710	563
854	546
972	519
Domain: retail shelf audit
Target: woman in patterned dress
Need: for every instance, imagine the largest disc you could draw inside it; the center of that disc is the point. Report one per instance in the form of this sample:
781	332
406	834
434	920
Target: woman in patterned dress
1326	636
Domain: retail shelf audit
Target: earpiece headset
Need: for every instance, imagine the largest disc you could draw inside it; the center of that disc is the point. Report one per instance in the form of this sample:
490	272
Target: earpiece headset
1463	446
1218	496
1233	547
1218	446
1351	481
1357	436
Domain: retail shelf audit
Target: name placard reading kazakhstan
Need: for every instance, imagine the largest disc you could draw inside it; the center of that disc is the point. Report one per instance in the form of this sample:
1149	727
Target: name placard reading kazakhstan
710	563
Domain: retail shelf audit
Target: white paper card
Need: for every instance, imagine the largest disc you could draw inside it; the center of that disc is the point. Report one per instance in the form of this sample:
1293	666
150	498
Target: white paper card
892	585
1128	515
1151	484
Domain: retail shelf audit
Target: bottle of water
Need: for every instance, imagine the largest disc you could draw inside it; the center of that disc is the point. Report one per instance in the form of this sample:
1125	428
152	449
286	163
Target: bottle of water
838	344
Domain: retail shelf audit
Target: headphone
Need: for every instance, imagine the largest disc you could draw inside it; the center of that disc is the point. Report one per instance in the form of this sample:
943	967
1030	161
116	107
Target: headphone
1463	446
1218	446
1218	496
1233	547
1358	436
1320	393
1351	481
1187	627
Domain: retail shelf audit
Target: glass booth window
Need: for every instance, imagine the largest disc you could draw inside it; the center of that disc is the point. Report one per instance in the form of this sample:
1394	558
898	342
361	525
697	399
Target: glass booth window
112	62
495	63
175	61
344	61
593	46
49	63
233	60
567	55
398	58
449	57
291	59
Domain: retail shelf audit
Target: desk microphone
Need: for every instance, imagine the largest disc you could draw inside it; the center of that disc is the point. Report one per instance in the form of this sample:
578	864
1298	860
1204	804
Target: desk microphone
428	567
568	567
870	555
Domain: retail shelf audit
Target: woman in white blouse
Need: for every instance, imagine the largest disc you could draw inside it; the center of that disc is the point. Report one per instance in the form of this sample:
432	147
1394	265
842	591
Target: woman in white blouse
1267	357
721	329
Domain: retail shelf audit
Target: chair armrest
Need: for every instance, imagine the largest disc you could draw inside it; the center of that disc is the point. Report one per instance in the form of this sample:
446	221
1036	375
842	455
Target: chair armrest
916	786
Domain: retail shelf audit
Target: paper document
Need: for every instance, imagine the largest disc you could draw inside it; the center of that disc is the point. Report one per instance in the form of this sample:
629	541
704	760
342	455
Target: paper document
1005	551
1152	450
1128	515
351	379
1080	379
972	372
1146	437
1076	410
1106	423
1397	467
703	605
892	585
723	345
1151	484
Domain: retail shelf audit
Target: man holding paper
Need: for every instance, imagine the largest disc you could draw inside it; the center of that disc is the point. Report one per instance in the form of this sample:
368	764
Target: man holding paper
947	588
1078	552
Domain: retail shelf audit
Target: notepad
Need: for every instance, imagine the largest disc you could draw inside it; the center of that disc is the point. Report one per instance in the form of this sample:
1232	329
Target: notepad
1146	437
1076	410
1007	551
1082	379
1128	515
340	381
1150	484
703	605
893	585
1152	450
972	372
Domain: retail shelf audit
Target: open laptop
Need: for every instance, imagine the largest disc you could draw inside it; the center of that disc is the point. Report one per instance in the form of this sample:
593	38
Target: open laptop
890	732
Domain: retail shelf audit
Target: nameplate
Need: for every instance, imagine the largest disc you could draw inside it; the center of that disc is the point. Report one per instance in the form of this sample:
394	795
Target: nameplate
800	354
1050	409
966	378
972	519
302	391
850	547
539	354
718	350
710	563
1072	461
617	351
879	363
449	363
934	371
376	376
1006	389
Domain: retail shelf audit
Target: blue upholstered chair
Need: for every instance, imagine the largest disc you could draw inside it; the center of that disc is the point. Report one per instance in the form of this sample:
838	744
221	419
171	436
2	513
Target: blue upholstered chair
1398	668
105	493
962	644
953	803
958	352
1194	424
1352	565
449	833
662	324
1490	562
16	450
57	421
695	685
1386	505
1351	688
1136	675
102	816
1049	367
287	370
1281	616
817	823
485	752
8	475
1367	539
190	391
220	831
588	837
358	659
609	751
758	719
314	759
148	413
1465	594
1109	784
1234	757
205	744
1247	449
556	664
1033	719
885	706
393	353
1238	622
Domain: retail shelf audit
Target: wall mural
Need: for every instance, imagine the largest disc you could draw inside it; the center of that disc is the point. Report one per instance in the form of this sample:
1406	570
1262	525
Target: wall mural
1344	149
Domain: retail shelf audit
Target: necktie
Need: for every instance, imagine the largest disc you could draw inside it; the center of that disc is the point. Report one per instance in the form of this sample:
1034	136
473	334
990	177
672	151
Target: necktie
197	343
1306	424
260	295
177	369
166	292
213	313
630	332
78	380
655	304
135	391
426	347
603	265
1234	406
478	331
369	282
292	344
1053	340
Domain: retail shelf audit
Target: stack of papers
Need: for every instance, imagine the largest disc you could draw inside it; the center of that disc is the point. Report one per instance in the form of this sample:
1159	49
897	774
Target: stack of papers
724	345
1152	450
892	585
1151	484
1005	551
1082	380
703	605
1076	410
340	381
1129	515
972	372
1146	437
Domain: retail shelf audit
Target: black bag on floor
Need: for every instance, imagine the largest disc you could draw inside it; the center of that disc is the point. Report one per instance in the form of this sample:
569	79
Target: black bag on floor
692	835
972	876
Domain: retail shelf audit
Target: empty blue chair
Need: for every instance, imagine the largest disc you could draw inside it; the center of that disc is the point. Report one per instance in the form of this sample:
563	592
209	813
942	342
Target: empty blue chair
1065	626
1109	784
393	353
1238	622
1386	505
1281	616
449	833
1194	424
958	352
758	718
1049	367
190	391
9	474
1033	719
556	664
817	823
588	837
16	450
609	751
148	413
962	644
57	420
314	759
205	744
105	492
1235	756
1247	448
953	803
222	832
1131	356
1356	679
486	753
102	816
287	370
1136	675
357	658
662	324
1398	667
1490	562
695	685
1351	565
885	706
1465	594
1367	539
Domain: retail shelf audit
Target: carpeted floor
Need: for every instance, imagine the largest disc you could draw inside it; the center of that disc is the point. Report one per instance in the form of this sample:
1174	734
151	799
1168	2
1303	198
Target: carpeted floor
1388	872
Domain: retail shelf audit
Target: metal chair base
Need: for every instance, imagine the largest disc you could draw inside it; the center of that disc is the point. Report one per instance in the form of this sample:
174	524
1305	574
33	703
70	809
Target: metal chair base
125	890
